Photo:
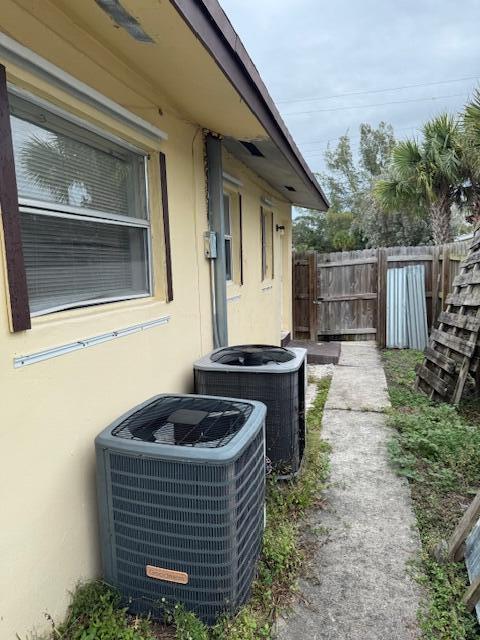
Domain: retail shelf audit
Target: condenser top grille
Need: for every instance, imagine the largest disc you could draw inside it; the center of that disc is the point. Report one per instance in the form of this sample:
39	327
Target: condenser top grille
186	421
252	355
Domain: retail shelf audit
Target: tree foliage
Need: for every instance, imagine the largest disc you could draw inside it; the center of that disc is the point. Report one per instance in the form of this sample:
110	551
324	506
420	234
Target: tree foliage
471	132
355	219
309	231
324	232
348	180
409	192
428	175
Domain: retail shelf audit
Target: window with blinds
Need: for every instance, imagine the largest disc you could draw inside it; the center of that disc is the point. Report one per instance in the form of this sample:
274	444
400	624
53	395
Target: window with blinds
84	218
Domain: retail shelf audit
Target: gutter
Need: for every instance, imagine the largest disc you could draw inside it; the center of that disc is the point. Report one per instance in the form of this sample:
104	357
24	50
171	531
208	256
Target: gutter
210	25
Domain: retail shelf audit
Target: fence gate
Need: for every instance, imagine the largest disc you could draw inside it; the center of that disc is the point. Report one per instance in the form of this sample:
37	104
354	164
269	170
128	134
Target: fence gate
347	295
343	295
304	279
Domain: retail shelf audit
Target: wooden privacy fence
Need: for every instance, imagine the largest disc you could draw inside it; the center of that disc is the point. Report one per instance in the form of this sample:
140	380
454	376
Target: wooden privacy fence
343	296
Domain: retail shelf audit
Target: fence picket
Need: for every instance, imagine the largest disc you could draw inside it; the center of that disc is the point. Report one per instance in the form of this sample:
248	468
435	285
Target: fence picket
342	295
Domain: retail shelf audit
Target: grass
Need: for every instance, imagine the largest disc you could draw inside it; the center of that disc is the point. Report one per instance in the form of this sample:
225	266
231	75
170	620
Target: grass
437	447
96	612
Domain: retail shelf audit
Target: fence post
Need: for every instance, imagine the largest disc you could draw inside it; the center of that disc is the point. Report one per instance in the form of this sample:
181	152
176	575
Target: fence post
382	266
312	294
435	284
445	275
294	294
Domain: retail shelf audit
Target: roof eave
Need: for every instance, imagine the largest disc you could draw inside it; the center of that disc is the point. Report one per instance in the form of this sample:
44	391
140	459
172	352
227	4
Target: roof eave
209	23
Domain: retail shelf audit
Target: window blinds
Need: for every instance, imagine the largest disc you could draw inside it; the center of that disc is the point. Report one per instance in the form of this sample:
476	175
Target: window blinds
70	261
85	230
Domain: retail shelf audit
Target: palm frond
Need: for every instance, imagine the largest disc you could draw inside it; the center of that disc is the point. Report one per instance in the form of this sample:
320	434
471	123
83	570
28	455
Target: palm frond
406	160
472	116
392	193
441	131
471	128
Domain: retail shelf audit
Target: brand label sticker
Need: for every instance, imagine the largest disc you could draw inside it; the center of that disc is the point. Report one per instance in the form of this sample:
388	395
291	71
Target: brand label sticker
166	574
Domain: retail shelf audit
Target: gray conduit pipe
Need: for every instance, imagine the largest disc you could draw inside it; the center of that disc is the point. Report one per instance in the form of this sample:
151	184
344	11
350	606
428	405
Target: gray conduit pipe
216	223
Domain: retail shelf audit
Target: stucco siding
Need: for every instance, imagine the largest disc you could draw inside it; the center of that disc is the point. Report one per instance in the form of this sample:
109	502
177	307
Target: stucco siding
255	309
52	410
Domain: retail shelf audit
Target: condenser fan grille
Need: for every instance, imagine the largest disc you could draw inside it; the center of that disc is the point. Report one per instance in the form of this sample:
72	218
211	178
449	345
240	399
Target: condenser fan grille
252	355
186	421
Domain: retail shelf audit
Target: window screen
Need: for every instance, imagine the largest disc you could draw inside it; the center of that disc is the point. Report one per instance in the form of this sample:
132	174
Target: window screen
85	228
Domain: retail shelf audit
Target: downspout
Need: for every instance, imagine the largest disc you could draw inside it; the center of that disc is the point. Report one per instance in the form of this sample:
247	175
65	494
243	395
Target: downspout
217	226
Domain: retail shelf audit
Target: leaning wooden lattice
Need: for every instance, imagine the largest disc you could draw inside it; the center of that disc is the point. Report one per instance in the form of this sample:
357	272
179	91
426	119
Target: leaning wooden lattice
450	354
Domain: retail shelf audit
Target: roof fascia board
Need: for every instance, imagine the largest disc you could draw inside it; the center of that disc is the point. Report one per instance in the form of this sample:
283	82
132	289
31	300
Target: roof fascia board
208	22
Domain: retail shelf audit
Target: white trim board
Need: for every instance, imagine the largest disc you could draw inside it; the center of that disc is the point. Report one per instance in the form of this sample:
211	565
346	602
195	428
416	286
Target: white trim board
232	180
54	352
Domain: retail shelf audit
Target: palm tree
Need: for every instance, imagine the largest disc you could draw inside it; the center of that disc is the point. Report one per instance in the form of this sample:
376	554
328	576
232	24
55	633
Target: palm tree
471	130
427	175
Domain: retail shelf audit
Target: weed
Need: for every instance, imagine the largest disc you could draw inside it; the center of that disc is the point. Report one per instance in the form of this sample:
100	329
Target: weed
95	613
319	530
437	447
444	615
187	625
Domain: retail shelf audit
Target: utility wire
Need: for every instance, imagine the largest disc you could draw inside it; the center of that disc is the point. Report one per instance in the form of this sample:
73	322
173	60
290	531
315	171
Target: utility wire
376	104
369	91
314	153
327	141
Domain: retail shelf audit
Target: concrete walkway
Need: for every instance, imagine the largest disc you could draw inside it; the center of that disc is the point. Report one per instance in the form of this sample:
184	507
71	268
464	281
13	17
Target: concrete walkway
358	587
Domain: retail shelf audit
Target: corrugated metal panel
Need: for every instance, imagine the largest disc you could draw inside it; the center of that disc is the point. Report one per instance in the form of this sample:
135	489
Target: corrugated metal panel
472	557
397	337
416	308
406	308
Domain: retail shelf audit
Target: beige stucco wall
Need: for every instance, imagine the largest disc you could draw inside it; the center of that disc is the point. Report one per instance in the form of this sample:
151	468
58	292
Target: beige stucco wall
256	310
52	410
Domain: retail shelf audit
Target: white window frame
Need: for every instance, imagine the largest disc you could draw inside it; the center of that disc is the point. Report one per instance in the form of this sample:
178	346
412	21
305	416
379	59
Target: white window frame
51	209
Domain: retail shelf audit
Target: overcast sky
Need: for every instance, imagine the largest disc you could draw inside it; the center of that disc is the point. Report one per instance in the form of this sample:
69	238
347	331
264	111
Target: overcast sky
307	49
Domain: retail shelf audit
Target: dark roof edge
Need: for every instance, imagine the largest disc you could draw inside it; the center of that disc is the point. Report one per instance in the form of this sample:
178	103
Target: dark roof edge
209	23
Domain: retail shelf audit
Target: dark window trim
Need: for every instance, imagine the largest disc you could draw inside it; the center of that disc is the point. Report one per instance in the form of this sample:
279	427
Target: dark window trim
16	274
166	226
228	239
273	246
240	215
263	243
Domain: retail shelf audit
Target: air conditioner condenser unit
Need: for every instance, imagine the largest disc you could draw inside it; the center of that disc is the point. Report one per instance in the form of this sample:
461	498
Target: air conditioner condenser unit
181	485
273	375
